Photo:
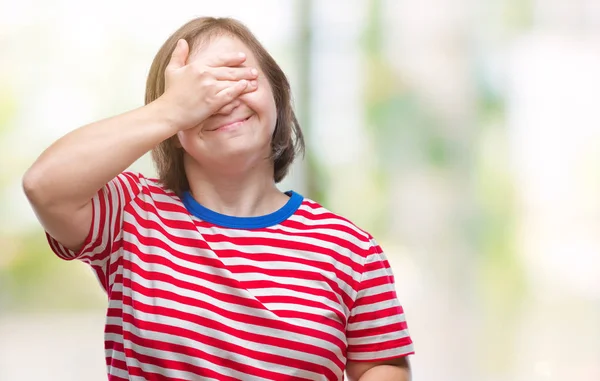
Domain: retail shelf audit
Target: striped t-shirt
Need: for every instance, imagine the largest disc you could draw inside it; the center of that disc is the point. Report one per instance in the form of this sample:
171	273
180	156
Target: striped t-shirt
197	295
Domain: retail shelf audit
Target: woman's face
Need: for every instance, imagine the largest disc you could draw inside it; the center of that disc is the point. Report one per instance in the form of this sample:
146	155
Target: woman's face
242	133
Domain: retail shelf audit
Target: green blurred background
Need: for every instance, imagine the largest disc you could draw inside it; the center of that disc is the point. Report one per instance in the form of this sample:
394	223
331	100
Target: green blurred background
464	135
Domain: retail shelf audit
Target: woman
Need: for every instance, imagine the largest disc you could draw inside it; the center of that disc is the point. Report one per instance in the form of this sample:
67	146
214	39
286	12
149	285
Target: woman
211	272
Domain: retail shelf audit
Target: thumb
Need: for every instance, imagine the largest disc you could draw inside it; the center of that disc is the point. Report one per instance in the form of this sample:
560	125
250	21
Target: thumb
179	55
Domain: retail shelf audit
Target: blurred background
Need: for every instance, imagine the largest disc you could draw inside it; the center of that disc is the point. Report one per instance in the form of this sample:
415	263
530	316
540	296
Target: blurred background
465	136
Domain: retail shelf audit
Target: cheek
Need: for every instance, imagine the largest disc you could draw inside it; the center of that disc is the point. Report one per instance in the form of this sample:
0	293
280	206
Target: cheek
184	138
262	103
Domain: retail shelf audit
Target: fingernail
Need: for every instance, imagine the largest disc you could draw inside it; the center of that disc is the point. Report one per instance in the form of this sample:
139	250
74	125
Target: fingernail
254	71
242	55
253	83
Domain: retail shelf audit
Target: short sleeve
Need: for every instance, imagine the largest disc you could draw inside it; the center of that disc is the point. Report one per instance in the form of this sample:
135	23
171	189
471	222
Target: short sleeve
377	328
107	221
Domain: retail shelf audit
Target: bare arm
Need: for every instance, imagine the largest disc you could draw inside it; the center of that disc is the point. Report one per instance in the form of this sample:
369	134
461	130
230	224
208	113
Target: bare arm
63	180
393	370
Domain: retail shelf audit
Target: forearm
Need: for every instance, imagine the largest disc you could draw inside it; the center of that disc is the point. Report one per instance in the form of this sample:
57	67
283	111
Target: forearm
386	373
77	165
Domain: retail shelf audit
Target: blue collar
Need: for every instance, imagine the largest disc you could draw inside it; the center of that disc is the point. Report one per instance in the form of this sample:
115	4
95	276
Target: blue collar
258	222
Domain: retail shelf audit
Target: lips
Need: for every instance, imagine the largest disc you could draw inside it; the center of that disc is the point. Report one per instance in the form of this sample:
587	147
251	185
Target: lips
230	123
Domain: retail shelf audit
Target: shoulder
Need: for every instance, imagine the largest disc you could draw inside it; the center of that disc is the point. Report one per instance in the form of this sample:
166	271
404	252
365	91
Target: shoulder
143	181
138	185
322	220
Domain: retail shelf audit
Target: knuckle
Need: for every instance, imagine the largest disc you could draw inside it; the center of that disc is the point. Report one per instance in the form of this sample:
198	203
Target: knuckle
200	71
206	81
231	73
210	102
228	94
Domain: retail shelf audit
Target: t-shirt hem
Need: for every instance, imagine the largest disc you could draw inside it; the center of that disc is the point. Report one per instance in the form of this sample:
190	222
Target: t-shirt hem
405	350
67	254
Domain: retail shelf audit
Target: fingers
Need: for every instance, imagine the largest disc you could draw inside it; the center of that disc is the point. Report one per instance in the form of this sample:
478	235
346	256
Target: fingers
228	108
234	73
228	94
224	85
228	59
179	55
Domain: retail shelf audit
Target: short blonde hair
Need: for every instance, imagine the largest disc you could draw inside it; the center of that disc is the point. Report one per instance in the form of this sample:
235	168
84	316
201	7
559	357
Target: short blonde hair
287	140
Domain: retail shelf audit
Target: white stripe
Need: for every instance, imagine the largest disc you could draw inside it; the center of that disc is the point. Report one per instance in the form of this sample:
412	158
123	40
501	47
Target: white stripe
285	292
163	216
375	274
377	323
378	338
298	322
335	219
242	327
218	352
172	373
118	372
175	218
206	269
374	307
294	254
114	257
374	356
252	234
332	221
199	252
278	265
164	198
300	308
121	188
234	308
101	238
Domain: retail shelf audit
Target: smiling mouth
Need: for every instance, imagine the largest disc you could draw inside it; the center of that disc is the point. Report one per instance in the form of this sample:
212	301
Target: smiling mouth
230	125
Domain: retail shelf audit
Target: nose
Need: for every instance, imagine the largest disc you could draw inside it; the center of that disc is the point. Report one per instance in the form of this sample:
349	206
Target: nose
228	108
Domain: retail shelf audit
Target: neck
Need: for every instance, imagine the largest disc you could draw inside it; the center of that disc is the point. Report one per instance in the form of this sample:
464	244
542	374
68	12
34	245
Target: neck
243	193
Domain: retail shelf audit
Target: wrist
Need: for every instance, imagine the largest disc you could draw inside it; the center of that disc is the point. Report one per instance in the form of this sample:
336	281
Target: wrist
167	114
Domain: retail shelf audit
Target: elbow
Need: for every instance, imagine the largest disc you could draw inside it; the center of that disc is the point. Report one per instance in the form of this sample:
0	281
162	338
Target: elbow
34	187
31	185
44	193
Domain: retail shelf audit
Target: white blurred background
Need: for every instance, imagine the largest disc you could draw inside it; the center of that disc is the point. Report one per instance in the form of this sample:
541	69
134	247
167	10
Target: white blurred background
464	135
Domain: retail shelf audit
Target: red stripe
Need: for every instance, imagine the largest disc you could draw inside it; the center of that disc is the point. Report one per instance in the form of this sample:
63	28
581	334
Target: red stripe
301	302
216	263
273	257
193	352
225	347
278	243
145	225
327	215
116	364
379	314
367	284
377	331
377	298
116	378
151	376
258	284
380	346
236	316
286	314
113	345
334	297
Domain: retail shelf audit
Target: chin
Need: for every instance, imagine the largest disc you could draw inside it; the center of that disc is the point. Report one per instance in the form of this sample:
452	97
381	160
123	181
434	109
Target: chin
243	149
237	152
